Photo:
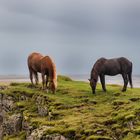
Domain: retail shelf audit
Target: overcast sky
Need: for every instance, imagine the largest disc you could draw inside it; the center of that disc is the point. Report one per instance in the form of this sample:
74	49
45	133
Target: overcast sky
75	33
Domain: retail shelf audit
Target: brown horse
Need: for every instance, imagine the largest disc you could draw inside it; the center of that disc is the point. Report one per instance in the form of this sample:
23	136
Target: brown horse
45	66
111	67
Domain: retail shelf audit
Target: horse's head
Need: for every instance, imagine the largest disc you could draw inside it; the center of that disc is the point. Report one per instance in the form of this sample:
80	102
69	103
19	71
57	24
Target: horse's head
93	82
52	86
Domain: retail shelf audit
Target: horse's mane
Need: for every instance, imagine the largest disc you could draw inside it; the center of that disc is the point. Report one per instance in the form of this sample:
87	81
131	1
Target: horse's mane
97	66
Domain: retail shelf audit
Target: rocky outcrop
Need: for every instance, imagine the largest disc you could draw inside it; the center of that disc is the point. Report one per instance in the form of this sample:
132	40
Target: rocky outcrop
7	103
54	137
42	105
1	128
38	135
42	110
9	124
13	123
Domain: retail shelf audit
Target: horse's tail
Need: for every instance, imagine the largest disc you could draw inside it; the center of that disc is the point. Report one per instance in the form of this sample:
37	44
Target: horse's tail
130	76
54	74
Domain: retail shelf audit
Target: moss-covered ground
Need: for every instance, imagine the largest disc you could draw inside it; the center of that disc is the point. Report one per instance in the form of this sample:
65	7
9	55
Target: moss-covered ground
78	114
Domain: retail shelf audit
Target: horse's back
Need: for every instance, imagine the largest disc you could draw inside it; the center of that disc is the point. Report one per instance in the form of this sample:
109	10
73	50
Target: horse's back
99	63
46	61
121	61
120	65
125	64
34	61
112	66
124	60
34	55
101	60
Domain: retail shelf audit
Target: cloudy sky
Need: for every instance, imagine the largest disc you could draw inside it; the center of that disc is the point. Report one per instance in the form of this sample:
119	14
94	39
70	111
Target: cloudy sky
75	33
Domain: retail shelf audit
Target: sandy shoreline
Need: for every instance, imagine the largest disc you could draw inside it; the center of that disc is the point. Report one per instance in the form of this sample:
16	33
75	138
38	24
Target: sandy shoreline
13	78
117	80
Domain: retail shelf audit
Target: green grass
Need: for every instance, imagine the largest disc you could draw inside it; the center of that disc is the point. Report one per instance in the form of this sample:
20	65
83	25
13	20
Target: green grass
78	114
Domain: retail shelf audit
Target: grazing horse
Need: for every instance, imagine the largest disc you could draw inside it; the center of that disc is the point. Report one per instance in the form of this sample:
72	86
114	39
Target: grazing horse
111	67
45	66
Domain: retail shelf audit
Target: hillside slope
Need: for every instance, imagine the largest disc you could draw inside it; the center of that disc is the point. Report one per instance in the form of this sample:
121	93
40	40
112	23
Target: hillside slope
73	113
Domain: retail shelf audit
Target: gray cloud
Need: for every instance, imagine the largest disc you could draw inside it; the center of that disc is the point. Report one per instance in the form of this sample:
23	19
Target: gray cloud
74	32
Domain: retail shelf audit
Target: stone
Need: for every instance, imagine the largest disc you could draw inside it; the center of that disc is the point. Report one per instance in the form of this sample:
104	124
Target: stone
12	124
7	103
42	110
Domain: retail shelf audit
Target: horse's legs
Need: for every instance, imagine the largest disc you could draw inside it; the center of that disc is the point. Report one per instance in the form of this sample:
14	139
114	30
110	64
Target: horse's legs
130	79
31	76
125	78
36	77
43	80
46	80
102	79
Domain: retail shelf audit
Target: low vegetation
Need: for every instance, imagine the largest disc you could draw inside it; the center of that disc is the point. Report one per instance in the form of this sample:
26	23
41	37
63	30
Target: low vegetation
77	114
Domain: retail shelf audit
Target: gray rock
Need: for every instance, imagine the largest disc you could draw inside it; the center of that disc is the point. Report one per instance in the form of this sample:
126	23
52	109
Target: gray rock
1	132
42	110
1	128
38	134
42	103
7	103
48	137
1	120
54	137
3	87
27	127
12	124
1	96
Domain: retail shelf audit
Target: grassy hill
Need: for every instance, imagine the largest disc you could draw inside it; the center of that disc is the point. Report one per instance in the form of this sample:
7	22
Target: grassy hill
74	112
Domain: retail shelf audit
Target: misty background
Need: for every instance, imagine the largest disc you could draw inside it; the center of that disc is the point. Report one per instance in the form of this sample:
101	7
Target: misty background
75	33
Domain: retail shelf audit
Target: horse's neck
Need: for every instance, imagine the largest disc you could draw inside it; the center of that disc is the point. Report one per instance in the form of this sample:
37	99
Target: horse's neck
97	67
94	73
52	74
53	78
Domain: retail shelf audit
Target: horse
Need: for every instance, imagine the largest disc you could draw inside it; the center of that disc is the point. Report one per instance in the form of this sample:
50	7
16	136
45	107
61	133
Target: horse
111	67
37	63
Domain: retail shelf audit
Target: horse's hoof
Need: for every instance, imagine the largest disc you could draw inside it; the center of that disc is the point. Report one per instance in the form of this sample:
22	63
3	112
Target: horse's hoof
47	90
124	90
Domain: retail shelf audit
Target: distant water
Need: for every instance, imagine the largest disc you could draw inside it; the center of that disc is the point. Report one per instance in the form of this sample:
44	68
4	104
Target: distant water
117	80
109	79
13	78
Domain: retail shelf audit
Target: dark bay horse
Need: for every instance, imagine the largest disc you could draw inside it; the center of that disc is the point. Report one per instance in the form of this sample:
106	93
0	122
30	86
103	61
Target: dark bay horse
45	66
111	67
